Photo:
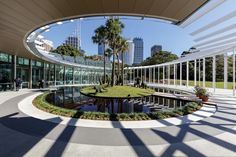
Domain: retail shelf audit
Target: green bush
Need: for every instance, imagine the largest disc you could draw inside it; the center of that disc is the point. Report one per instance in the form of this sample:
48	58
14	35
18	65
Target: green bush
190	108
41	103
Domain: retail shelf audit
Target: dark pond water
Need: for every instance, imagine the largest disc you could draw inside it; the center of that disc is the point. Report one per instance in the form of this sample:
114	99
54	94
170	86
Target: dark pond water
70	97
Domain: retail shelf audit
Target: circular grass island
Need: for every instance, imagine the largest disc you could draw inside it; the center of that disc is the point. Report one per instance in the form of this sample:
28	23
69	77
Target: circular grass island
116	92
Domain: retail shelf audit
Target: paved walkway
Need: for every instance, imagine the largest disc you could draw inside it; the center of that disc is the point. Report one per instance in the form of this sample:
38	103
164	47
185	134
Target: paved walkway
22	135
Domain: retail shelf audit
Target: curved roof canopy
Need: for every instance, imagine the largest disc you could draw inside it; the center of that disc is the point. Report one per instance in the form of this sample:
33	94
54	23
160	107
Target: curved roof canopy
18	17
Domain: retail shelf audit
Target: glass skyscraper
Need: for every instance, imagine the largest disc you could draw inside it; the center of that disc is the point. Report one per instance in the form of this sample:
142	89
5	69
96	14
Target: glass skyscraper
129	55
72	41
138	50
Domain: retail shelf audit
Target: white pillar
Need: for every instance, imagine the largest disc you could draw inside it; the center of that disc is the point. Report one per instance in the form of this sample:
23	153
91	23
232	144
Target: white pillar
214	73
30	74
168	74
180	75
225	71
187	73
55	75
158	75
174	74
234	72
14	71
204	73
133	75
199	72
149	78
195	72
163	77
145	74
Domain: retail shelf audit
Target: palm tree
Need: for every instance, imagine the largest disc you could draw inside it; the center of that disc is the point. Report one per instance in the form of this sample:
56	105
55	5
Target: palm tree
122	49
100	37
114	29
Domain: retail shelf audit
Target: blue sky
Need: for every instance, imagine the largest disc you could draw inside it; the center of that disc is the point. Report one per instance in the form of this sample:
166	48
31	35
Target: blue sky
171	37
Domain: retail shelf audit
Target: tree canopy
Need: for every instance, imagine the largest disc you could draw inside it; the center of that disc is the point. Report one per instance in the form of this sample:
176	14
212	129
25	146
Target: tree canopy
159	58
67	50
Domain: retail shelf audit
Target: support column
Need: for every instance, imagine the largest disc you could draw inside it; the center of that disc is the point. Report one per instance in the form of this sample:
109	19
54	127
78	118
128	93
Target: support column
180	74
14	71
174	74
145	74
195	72
55	76
73	75
225	71
158	75
199	72
168	74
214	73
234	72
204	73
44	74
30	74
133	75
187	73
163	77
64	75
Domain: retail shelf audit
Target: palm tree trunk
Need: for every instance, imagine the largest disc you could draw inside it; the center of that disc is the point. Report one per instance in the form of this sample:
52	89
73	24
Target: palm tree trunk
113	70
118	65
122	69
104	66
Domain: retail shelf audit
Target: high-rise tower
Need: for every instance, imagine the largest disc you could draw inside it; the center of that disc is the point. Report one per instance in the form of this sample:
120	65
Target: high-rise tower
138	50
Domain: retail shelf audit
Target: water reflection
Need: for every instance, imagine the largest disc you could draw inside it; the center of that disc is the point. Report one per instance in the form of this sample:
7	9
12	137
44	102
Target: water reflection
70	97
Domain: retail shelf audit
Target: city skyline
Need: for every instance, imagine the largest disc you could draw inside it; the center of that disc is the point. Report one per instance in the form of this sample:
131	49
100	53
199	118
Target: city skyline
159	32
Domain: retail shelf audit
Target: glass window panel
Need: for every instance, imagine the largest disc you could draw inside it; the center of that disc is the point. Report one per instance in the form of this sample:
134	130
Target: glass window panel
20	60
39	64
26	61
3	57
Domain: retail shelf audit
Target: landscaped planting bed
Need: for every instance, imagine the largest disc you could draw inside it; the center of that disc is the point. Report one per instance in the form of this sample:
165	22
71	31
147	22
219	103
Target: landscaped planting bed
41	103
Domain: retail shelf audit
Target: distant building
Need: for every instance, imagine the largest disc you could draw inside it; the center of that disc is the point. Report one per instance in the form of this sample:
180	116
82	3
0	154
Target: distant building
129	55
72	41
138	50
43	44
101	49
155	49
47	45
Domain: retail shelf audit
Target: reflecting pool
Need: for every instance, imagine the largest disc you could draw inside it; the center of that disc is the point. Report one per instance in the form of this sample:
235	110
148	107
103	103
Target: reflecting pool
70	97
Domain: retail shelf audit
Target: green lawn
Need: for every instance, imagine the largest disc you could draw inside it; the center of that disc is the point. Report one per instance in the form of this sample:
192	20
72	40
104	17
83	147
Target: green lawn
208	84
117	92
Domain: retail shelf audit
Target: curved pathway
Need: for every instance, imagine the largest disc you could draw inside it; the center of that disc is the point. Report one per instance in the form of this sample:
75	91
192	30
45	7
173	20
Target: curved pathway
50	139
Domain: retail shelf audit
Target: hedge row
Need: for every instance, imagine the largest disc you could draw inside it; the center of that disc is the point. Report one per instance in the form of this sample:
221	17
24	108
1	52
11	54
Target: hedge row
42	104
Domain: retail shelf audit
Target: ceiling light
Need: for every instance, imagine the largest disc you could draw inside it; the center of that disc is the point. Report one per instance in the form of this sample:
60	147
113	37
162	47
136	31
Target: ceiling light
59	23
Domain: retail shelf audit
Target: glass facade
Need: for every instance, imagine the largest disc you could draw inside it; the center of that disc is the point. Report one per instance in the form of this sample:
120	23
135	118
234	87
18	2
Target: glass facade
6	75
52	74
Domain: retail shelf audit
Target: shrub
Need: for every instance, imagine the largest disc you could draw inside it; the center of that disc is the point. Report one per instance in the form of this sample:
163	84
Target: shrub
200	91
190	108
